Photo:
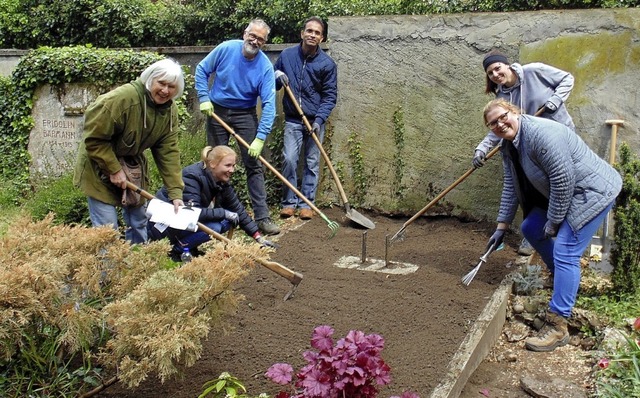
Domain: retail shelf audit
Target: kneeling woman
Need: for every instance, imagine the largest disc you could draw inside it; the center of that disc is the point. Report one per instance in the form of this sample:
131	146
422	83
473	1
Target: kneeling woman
207	187
565	191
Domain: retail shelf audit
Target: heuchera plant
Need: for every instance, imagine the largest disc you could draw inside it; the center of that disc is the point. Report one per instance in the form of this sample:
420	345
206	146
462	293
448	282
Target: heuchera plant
351	368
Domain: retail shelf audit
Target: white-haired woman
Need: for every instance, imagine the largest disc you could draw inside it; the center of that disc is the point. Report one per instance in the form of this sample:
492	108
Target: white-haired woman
119	126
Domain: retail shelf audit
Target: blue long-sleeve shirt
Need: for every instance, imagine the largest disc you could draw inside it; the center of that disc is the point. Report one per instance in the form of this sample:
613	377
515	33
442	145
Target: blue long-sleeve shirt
238	82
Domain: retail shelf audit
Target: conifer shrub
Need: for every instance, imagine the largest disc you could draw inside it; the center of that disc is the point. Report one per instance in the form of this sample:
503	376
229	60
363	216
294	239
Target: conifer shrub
79	306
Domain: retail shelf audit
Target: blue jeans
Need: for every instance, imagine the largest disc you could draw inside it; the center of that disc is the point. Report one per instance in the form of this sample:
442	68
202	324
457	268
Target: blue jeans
561	255
135	218
244	122
181	239
296	135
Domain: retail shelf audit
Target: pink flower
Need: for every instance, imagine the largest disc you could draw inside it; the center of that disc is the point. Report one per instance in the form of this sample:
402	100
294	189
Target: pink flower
321	338
636	325
280	373
603	363
316	384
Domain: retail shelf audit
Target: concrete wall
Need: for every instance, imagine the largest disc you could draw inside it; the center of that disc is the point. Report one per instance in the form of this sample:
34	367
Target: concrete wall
430	68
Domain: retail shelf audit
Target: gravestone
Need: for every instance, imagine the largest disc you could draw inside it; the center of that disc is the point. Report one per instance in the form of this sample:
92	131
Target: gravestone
58	127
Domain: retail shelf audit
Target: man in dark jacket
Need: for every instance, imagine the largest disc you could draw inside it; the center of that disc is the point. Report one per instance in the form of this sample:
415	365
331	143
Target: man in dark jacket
312	76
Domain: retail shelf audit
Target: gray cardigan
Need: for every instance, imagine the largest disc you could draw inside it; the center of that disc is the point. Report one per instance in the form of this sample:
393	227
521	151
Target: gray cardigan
558	163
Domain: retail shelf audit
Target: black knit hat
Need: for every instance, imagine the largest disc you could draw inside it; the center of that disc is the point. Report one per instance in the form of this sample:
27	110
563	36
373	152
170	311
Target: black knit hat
493	57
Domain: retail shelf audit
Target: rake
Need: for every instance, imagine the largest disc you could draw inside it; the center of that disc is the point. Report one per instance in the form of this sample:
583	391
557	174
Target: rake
333	226
400	235
466	280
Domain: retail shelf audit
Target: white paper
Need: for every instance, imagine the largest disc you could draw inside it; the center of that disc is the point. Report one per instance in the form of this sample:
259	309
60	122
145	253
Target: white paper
163	213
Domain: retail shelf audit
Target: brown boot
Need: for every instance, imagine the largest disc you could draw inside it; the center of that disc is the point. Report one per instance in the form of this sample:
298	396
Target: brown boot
287	212
306	214
553	334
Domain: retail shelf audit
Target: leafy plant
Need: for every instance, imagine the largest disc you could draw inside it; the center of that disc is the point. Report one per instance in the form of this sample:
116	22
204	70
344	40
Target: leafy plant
619	375
351	368
528	280
225	386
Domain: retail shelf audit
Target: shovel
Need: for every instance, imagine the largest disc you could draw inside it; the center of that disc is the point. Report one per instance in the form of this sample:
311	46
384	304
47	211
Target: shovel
351	214
400	235
333	226
294	277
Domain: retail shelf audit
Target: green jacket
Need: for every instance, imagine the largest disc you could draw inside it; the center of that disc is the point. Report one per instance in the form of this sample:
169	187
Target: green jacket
125	122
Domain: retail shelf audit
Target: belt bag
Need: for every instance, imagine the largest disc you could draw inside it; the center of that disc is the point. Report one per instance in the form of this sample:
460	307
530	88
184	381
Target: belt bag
133	170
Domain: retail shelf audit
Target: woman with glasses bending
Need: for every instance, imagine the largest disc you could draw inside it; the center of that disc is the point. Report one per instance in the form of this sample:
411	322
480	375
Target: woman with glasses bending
536	88
565	191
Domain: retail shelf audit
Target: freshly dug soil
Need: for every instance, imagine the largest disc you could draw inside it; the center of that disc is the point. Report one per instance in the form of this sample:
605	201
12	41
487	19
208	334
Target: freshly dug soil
422	316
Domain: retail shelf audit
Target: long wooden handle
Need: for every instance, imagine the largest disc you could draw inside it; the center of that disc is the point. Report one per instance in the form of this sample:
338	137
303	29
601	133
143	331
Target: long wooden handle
270	167
343	195
279	269
449	188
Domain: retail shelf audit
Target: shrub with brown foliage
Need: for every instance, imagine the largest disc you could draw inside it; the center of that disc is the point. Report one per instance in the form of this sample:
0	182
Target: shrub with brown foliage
93	297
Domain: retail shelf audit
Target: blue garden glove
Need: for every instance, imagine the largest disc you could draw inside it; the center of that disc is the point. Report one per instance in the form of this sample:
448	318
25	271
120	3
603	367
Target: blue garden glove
232	217
206	108
265	242
282	78
315	128
479	158
496	239
550	229
256	147
549	107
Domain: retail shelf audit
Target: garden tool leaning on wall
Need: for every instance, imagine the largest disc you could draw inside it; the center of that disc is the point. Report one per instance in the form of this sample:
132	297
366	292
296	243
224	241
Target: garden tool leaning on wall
351	214
333	226
294	277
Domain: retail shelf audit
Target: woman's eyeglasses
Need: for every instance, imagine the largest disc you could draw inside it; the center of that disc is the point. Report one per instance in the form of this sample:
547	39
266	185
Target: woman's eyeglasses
501	119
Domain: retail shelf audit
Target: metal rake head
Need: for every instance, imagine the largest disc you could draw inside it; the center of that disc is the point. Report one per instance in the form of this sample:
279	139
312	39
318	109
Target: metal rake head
333	226
466	280
398	236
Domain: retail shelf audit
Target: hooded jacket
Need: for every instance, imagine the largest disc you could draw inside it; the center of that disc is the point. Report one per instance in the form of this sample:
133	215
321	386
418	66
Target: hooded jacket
126	122
578	183
313	80
202	191
537	83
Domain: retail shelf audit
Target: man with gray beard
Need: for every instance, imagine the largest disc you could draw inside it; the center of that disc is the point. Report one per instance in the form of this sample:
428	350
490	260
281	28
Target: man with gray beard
242	73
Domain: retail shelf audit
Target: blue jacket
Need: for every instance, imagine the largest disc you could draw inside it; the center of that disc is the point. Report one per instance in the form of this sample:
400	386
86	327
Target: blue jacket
578	183
314	82
202	190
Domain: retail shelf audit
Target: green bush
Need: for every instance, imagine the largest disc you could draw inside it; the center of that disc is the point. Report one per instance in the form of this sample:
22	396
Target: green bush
155	23
625	255
58	196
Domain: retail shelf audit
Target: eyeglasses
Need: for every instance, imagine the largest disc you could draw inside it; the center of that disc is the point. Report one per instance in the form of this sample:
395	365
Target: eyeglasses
253	37
501	119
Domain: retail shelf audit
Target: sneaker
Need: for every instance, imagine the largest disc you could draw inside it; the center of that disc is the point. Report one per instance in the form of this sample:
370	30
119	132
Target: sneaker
525	248
306	214
287	212
553	334
268	227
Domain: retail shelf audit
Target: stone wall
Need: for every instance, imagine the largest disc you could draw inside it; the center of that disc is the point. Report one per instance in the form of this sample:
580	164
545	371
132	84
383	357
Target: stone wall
429	68
411	91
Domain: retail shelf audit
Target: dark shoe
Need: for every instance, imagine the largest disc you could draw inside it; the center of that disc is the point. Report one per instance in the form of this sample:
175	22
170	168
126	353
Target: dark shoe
306	214
175	256
525	248
268	227
553	334
287	212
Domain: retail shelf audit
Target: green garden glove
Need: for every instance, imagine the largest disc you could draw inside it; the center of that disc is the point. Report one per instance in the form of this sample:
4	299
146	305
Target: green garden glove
206	108
256	147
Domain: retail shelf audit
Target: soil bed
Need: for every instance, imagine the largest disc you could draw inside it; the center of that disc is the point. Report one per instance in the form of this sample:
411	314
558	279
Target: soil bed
423	316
